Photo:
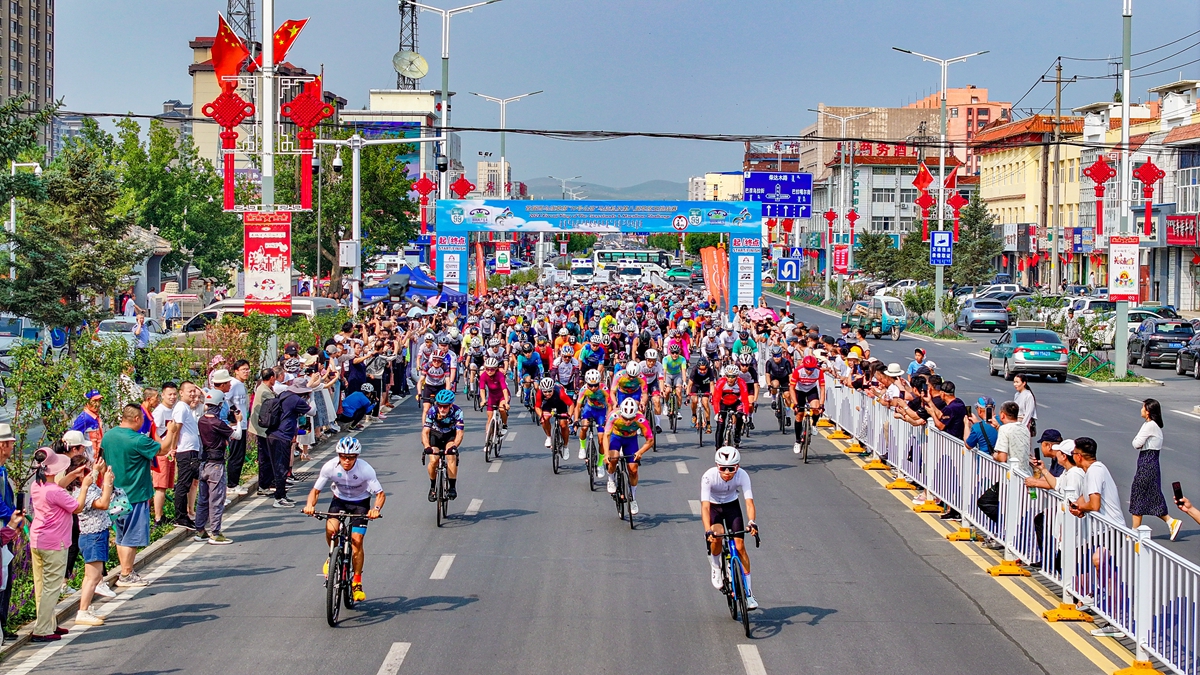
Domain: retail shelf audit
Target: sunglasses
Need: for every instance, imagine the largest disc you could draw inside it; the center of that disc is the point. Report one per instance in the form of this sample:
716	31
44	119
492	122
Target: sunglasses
727	469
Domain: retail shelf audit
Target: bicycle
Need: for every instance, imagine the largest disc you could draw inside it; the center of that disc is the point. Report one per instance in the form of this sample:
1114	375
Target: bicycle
673	409
780	407
473	392
702	420
623	497
733	577
492	440
441	486
558	444
339	579
592	444
728	421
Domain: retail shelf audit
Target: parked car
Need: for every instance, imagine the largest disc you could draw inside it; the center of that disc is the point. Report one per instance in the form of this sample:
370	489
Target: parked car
301	306
1161	310
679	275
1032	351
1106	324
899	288
1189	359
1159	341
1077	290
986	313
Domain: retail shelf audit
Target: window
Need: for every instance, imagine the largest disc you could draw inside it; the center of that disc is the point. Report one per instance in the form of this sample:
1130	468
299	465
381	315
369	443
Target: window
14	46
906	224
982	123
14	8
908	171
982	112
882	223
954	112
974	99
883	195
908	195
885	171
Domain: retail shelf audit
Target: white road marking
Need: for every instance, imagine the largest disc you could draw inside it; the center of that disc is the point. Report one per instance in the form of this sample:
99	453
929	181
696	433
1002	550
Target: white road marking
495	467
394	659
512	436
1186	414
442	567
964	377
956	349
1095	424
672	438
751	661
1133	399
694	504
473	507
681	467
982	356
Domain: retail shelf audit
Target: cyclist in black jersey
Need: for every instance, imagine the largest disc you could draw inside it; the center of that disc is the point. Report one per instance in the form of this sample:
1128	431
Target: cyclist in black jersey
700	379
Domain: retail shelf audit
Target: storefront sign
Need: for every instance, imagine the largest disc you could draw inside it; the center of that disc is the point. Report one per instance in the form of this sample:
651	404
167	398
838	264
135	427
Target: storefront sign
1182	231
268	262
1123	268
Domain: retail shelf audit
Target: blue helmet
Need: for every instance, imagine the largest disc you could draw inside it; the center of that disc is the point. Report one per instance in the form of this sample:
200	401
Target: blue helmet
349	446
444	397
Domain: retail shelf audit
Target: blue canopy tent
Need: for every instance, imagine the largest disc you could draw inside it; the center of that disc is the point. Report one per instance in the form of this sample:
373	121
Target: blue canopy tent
418	289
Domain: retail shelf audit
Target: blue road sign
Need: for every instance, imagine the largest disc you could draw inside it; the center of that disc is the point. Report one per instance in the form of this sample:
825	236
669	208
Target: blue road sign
789	269
941	248
783	195
797	252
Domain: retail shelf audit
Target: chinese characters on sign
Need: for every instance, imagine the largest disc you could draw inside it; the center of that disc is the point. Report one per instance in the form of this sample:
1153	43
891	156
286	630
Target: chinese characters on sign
1123	268
841	258
268	262
1182	231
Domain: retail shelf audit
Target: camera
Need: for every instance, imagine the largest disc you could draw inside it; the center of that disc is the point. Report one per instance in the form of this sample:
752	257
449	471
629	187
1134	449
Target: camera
337	163
443	163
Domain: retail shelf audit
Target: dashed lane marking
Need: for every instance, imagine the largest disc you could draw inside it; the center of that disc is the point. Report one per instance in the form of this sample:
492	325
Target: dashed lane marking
495	467
1095	424
672	438
1185	414
694	505
442	568
394	659
681	467
751	661
473	507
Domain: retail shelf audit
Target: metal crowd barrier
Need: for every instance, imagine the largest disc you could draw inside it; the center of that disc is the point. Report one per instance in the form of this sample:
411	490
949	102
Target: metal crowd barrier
1144	590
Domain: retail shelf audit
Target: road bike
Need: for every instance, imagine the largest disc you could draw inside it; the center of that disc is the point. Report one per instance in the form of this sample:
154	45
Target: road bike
592	444
441	486
339	577
733	577
623	497
558	444
527	397
702	419
781	409
806	431
672	407
473	392
727	420
492	439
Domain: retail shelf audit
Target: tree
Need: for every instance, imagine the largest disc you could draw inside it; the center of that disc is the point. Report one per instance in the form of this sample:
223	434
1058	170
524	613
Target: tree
692	243
664	240
912	260
876	255
19	129
579	243
977	245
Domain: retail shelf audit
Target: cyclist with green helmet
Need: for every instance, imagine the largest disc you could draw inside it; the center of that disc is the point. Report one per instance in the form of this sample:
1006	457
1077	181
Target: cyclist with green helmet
443	430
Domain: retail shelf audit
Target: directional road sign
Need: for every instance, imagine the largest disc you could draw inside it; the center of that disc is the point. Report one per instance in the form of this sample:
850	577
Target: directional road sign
783	195
789	269
941	248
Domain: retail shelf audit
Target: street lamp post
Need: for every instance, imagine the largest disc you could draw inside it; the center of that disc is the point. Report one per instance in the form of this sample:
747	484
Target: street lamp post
939	270
841	202
541	235
503	107
444	118
12	215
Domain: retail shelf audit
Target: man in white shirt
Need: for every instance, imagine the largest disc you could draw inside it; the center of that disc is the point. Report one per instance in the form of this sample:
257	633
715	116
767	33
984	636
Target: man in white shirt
1099	492
187	453
1013	438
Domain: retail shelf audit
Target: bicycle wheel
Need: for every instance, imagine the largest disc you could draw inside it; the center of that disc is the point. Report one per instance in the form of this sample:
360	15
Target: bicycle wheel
440	493
333	582
673	410
629	498
806	436
489	438
739	586
555	446
619	495
727	587
592	460
701	420
347	578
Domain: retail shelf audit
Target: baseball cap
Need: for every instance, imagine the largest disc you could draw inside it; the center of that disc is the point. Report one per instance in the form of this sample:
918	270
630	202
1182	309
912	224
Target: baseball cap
74	437
846	326
985	401
1051	436
93	394
1064	447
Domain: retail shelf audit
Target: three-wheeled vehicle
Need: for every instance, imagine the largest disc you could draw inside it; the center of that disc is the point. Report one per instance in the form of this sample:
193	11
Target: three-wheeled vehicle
880	315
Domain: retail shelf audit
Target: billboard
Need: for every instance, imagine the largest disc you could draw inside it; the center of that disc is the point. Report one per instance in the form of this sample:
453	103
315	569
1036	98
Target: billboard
1123	268
783	195
268	262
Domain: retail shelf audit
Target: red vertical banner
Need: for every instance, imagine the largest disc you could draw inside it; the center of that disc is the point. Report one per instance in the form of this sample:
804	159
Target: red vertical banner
480	272
268	262
841	258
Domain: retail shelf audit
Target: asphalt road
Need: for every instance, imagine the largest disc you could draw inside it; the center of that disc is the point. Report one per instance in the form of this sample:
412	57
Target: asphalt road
545	579
1109	414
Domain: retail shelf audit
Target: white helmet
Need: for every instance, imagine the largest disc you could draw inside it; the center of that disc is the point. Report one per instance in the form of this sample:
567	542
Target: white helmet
476	343
546	384
728	456
651	354
633	369
711	333
491	362
731	371
629	409
592	376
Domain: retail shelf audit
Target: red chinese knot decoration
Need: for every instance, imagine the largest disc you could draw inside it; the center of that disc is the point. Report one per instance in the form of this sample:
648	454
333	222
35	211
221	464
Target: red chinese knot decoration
228	111
1100	173
956	202
306	111
462	187
1149	174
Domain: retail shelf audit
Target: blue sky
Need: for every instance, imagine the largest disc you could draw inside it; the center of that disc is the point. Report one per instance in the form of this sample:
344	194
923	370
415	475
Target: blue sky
705	66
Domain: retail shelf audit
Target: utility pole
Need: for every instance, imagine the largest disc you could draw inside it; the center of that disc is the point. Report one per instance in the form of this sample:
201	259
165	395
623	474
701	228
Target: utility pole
1056	221
1121	346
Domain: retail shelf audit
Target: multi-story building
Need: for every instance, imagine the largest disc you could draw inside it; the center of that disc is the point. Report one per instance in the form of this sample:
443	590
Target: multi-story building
63	129
723	185
968	111
887	125
27	44
488	180
177	115
696	189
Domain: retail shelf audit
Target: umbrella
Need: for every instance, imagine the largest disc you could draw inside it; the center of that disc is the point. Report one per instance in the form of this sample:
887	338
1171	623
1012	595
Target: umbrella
417	311
762	314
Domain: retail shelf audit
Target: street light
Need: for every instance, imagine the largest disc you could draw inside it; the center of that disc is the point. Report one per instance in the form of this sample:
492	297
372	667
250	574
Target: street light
841	202
563	182
939	270
12	215
541	235
444	185
503	106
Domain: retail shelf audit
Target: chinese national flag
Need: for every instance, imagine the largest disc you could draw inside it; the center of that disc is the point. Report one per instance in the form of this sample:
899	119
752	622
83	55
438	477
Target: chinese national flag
924	179
228	53
284	37
951	183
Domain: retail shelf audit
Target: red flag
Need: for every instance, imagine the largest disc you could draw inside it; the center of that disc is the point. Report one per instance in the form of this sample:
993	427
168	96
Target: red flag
283	39
924	179
228	53
951	183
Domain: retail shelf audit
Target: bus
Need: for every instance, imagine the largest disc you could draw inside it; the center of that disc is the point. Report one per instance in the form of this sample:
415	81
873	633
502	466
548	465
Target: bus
611	257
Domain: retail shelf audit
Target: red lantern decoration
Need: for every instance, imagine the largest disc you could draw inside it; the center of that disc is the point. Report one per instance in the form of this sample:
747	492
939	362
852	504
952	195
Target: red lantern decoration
853	218
830	216
1100	173
1149	174
228	110
924	201
462	187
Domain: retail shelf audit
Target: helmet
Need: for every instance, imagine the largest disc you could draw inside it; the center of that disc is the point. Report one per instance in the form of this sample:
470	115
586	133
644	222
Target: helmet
487	313
494	342
444	340
731	371
675	349
809	362
629	408
776	352
633	369
541	338
429	337
452	333
712	333
214	397
651	354
546	384
367	388
562	331
743	333
444	397
526	347
349	446
491	362
745	359
592	376
476	343
702	362
728	456
596	339
571	339
566	351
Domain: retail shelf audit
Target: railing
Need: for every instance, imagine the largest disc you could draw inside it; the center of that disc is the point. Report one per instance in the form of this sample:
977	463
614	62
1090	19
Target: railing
1142	589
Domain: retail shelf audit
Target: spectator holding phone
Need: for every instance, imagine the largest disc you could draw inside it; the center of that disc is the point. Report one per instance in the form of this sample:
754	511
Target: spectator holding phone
1145	496
93	495
50	537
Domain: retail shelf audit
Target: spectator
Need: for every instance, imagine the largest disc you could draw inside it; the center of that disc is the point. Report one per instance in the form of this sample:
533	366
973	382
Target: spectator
1026	403
264	392
129	454
166	432
292	406
1100	492
1072	330
88	422
952	416
1183	503
71	445
355	408
171	313
187	453
215	434
238	400
50	537
1013	437
983	434
1146	497
917	362
1068	480
1047	440
8	514
93	496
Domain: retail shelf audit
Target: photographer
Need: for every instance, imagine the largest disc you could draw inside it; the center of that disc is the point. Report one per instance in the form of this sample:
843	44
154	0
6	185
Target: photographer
982	434
215	434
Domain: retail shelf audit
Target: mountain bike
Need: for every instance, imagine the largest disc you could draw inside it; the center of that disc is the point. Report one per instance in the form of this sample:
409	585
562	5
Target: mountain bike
492	440
733	577
623	497
339	579
441	486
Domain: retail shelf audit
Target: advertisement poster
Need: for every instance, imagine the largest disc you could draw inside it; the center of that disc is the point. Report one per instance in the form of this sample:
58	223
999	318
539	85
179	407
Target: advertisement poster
268	262
503	262
1123	268
841	258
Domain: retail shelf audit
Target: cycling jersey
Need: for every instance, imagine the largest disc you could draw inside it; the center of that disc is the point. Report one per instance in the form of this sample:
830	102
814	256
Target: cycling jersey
438	368
629	428
651	372
591	357
606	324
565	371
530	365
497	353
354	485
727	394
674	365
492	383
749	376
803	379
487	326
558	401
451	422
701	383
717	491
628	385
778	370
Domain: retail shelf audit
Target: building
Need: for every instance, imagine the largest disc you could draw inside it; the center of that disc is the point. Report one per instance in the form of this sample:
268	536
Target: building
696	189
488	181
28	49
408	113
723	186
63	129
968	111
887	125
177	116
777	156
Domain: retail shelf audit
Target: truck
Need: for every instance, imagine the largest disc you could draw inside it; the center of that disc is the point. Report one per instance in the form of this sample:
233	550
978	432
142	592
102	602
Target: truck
583	271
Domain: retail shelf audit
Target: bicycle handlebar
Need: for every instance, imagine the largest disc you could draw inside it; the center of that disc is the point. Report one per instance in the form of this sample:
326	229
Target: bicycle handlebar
323	515
727	535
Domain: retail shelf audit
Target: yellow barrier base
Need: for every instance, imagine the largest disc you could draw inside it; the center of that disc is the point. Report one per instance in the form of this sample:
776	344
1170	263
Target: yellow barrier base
928	507
837	434
854	449
1008	568
1138	668
876	465
823	423
901	483
1066	613
963	534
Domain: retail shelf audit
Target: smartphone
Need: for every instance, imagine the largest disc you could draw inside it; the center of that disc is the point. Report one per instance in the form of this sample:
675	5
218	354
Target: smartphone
990	410
1037	451
1178	489
20	501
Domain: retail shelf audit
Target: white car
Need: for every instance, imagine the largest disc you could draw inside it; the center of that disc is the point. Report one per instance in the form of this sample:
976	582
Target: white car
121	328
1107	322
899	288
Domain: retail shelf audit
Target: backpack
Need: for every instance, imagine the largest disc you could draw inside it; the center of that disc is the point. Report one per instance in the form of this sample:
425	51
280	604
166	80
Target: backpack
270	413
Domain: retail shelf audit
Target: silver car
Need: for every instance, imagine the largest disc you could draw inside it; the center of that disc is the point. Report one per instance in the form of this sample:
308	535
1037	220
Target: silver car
978	313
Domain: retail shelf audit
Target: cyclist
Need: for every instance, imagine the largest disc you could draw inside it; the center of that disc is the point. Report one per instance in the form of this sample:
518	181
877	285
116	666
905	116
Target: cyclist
652	373
629	384
474	356
593	354
566	368
674	369
441	369
710	345
700	380
495	350
553	400
729	394
494	392
353	482
590	408
529	368
544	351
621	438
748	372
443	430
807	388
721	512
778	368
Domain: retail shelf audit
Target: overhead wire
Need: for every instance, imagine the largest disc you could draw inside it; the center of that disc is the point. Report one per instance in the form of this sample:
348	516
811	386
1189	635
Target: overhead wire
1147	51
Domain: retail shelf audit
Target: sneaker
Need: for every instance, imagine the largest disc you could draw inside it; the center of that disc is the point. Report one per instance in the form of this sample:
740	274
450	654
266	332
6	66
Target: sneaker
85	618
432	495
284	503
359	595
503	431
751	603
612	486
547	441
201	536
45	638
238	490
335	427
657	429
103	590
218	539
134	580
452	493
264	492
228	501
325	569
1108	631
289	481
186	523
633	509
716	575
993	545
1175	525
796	448
583	453
951	516
67	590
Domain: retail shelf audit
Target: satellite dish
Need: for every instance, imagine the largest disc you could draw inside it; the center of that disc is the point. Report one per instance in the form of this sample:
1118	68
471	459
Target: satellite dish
410	64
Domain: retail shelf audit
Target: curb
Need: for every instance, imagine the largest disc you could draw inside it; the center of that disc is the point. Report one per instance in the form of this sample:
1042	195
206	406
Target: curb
1072	377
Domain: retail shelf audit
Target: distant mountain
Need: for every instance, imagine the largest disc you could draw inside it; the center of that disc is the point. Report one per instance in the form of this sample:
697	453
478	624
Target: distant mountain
545	188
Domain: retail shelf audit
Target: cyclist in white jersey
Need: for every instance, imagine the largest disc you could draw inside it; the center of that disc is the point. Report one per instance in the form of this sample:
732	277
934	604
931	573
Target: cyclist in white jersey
353	482
721	512
652	373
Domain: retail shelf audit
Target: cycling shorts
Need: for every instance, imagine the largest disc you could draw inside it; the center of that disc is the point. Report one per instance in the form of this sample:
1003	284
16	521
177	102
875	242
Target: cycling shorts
429	391
627	445
358	508
439	441
494	398
673	381
728	514
598	416
476	360
558	406
701	388
621	396
809	396
652	387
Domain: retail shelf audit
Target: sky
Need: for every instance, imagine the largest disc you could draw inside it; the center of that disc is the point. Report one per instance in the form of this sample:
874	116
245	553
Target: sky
688	66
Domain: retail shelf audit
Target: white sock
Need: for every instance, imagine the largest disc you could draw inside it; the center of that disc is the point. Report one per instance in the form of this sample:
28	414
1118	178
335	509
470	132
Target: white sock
608	474
715	560
748	586
633	491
